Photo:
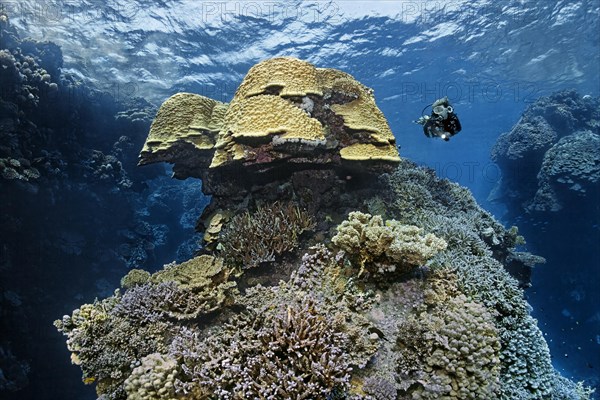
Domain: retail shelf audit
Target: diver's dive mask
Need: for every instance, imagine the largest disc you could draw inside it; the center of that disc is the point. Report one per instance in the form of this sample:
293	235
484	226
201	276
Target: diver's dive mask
442	111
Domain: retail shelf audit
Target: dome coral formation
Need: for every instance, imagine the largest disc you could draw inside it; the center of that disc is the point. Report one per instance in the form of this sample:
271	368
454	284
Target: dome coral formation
400	291
570	172
451	350
283	109
285	113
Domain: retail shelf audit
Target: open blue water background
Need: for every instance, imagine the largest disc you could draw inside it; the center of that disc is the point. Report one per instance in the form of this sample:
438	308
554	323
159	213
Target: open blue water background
491	58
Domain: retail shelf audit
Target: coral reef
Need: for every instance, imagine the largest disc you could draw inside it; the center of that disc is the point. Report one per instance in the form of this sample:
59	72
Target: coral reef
450	212
106	345
110	338
444	318
550	187
154	378
298	340
180	291
73	212
296	353
106	169
570	173
134	278
185	123
478	246
276	131
566	389
274	116
380	389
547	157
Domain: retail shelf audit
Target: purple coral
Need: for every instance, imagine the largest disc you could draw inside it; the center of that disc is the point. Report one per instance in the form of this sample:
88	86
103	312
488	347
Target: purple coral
152	302
296	353
380	388
146	302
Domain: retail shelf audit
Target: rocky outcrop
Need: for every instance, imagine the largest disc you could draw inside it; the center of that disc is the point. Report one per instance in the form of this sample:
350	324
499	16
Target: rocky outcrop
549	160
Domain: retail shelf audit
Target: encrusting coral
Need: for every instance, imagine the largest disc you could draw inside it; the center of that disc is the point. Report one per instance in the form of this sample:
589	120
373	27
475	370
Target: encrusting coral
380	389
449	348
290	76
135	277
284	110
185	122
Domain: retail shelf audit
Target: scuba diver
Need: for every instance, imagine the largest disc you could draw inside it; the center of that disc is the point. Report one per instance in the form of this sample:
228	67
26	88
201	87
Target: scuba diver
442	123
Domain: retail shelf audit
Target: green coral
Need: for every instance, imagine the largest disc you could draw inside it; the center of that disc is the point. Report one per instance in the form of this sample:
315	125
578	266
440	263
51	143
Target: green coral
378	247
135	277
195	274
153	379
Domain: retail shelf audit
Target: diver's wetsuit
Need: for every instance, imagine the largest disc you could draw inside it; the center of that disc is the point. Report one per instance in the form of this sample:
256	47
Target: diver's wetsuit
443	122
437	127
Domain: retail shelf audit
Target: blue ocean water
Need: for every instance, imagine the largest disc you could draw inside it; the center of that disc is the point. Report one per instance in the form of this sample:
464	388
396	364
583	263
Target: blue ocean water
491	58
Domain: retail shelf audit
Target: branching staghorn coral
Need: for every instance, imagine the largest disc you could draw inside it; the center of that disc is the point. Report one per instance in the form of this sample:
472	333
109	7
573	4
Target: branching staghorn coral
296	353
378	247
298	339
255	237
